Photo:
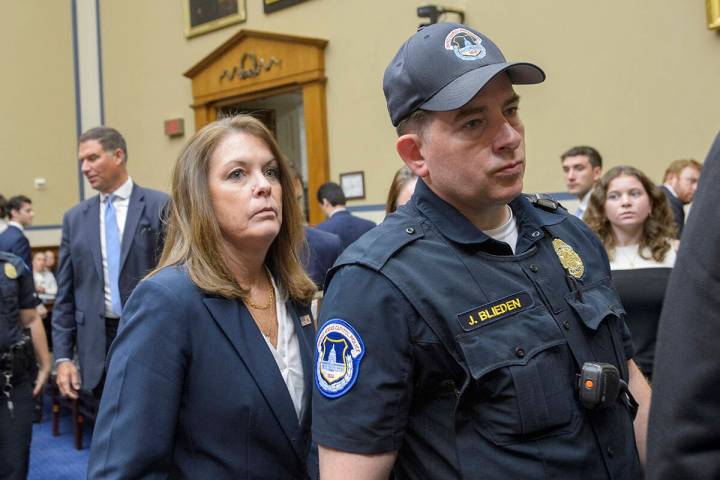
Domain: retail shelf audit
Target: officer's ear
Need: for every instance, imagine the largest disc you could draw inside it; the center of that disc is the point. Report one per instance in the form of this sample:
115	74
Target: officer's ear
408	147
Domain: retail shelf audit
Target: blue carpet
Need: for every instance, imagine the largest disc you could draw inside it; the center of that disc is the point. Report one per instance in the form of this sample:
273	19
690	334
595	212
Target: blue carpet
55	458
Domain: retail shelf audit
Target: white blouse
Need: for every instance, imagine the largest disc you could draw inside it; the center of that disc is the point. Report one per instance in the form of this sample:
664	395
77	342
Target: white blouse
628	258
287	353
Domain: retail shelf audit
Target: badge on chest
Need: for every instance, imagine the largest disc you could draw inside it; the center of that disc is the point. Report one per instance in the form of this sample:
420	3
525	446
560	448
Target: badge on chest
490	312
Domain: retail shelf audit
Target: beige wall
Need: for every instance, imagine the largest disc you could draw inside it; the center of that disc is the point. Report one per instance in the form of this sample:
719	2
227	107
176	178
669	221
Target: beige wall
640	84
37	125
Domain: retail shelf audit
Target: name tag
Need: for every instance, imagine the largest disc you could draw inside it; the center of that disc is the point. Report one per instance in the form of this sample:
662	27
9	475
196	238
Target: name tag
496	310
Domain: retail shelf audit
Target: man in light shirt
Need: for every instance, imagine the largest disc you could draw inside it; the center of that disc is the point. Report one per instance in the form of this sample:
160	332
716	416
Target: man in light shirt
109	242
582	167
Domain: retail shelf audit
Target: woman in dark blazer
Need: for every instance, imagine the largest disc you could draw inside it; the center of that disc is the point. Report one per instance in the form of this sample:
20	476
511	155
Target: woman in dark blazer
210	374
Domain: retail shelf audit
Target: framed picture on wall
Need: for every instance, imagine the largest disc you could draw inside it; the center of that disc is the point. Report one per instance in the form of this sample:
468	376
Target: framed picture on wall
270	6
713	14
202	16
353	185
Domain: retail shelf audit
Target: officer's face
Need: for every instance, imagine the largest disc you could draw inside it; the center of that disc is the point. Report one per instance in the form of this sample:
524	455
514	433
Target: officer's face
475	156
245	192
627	203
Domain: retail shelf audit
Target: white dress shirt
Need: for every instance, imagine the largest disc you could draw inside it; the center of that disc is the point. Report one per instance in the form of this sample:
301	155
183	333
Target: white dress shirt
121	202
287	353
583	205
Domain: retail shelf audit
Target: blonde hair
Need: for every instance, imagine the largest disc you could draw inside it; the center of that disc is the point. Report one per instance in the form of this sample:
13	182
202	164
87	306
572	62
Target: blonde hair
193	233
658	227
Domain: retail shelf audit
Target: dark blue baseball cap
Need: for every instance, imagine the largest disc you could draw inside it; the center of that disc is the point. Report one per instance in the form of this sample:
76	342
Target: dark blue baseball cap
443	66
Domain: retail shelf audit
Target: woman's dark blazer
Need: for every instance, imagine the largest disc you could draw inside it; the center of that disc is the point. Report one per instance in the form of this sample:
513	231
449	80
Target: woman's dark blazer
193	391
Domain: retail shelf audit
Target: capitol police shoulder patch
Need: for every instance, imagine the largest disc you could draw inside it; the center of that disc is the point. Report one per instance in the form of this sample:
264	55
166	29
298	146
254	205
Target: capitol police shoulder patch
338	351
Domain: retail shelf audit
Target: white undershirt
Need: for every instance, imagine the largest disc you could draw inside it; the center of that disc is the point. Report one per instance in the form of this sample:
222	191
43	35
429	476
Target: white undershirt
287	353
628	258
507	232
121	202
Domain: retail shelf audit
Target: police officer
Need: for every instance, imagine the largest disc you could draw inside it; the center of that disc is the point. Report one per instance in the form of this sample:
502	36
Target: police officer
452	335
18	364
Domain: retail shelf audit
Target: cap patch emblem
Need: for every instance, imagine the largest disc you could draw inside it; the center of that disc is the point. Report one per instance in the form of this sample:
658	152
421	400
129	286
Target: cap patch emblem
465	44
569	259
338	352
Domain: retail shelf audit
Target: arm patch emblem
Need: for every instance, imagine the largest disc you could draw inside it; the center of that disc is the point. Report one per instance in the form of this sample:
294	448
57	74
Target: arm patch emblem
338	351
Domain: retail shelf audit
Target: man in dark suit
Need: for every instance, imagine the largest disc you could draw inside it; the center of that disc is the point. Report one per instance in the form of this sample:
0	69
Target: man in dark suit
109	242
683	437
679	185
340	222
12	235
323	249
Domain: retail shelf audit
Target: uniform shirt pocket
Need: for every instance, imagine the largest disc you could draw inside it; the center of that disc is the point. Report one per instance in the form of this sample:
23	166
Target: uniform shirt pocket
524	374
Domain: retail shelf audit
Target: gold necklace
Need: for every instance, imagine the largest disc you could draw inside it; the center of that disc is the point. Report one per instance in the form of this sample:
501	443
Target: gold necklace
271	297
630	258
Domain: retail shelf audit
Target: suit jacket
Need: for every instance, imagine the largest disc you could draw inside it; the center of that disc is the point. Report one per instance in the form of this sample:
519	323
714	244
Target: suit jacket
677	208
193	391
684	434
346	226
323	249
78	314
13	240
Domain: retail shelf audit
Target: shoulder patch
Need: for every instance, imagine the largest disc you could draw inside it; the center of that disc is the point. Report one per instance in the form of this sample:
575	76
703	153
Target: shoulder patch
338	351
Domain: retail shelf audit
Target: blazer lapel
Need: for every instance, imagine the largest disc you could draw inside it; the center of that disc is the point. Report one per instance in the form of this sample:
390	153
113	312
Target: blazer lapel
136	206
92	220
305	331
239	327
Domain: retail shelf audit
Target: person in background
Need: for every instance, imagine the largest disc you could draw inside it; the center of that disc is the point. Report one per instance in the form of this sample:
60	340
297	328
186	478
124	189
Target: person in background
50	260
322	248
45	283
582	167
19	359
108	243
632	218
210	375
679	185
401	189
683	435
340	221
46	288
18	210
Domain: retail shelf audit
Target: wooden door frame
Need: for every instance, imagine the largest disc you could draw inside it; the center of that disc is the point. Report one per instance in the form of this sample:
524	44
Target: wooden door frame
307	76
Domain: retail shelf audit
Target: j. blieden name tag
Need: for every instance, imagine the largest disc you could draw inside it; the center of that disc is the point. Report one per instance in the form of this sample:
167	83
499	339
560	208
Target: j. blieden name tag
490	312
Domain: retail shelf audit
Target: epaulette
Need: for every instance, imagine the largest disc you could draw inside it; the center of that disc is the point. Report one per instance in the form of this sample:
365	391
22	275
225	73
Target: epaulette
544	201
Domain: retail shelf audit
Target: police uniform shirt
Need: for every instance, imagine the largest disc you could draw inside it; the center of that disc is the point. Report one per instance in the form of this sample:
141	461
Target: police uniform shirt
17	293
403	385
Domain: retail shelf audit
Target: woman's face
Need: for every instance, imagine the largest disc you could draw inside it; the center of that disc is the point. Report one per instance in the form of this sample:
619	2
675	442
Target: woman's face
627	204
38	262
245	191
406	192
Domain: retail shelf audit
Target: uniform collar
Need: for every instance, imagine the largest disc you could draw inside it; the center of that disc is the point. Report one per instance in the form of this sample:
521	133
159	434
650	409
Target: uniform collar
455	226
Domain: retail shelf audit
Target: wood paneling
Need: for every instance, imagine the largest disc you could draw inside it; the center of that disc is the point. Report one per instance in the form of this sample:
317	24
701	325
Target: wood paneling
255	64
